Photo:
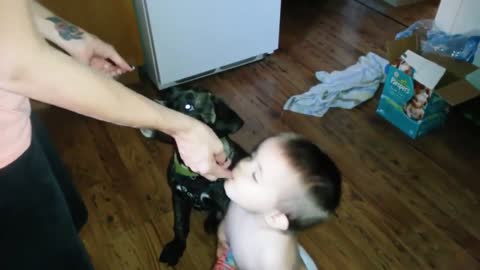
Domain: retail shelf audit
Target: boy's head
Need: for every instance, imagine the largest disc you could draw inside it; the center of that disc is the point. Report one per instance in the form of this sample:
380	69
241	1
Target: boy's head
289	180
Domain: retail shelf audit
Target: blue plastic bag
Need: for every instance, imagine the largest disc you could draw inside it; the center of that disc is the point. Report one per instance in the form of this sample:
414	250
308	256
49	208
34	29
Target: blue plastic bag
459	47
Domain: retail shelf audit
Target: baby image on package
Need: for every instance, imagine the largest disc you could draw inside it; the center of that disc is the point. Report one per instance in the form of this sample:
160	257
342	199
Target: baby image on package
415	107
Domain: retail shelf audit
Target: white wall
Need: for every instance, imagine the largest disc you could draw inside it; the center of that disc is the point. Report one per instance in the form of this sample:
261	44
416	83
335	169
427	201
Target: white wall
458	16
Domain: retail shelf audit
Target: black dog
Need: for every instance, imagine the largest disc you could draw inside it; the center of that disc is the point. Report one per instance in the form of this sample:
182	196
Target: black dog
190	190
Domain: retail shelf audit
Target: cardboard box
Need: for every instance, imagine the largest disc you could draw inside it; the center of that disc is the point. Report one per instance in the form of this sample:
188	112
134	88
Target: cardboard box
420	88
476	59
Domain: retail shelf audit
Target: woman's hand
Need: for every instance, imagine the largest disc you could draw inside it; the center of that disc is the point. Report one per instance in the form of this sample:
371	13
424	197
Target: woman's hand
92	51
202	151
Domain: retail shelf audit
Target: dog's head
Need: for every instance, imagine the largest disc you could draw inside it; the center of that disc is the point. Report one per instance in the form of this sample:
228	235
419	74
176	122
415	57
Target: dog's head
203	106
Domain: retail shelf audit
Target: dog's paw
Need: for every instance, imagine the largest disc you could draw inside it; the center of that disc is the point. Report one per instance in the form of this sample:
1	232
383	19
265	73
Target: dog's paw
172	252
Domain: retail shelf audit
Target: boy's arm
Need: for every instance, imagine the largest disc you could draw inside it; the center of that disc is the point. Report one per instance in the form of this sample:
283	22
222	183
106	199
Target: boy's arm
281	258
277	264
222	244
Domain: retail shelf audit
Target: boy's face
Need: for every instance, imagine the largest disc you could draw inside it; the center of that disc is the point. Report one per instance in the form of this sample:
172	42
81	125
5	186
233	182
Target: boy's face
260	182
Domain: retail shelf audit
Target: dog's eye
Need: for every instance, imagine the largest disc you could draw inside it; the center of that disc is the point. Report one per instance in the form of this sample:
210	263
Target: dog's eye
189	107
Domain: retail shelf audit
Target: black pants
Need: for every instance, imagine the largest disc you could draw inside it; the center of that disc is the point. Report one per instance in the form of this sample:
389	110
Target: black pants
41	213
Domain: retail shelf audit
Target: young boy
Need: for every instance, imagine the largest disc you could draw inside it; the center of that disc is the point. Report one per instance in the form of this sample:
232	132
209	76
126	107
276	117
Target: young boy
287	185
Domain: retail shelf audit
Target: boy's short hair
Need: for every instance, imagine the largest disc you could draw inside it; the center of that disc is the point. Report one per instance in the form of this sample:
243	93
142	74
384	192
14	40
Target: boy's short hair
321	178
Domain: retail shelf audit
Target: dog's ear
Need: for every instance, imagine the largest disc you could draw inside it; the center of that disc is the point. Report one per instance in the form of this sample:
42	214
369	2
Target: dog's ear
167	96
227	121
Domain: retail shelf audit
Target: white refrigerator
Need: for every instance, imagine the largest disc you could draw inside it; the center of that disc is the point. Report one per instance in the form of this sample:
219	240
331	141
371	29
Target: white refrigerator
184	40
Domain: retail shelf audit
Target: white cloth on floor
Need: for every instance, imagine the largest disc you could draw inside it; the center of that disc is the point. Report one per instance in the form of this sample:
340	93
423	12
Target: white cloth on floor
341	89
306	259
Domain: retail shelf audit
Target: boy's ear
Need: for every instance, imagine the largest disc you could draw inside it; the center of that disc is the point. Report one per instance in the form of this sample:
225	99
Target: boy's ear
277	220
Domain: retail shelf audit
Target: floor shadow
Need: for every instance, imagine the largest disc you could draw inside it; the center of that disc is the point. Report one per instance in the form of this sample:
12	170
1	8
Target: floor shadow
297	18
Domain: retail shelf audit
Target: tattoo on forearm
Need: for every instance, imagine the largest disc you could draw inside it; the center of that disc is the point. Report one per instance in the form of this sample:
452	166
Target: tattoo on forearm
66	30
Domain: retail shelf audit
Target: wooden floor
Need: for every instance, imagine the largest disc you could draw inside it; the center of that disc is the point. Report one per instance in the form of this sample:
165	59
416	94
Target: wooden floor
406	205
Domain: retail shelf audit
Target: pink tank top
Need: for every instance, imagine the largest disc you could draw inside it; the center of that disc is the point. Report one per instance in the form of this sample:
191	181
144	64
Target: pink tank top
15	127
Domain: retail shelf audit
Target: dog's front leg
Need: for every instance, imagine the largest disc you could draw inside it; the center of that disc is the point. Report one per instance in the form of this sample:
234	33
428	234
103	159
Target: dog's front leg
174	250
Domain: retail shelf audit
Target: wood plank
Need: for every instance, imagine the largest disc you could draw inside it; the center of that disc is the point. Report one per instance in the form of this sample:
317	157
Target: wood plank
406	15
147	179
73	142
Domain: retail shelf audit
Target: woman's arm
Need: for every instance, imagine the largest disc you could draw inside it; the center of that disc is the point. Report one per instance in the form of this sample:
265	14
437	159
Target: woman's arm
80	44
45	20
31	68
42	73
